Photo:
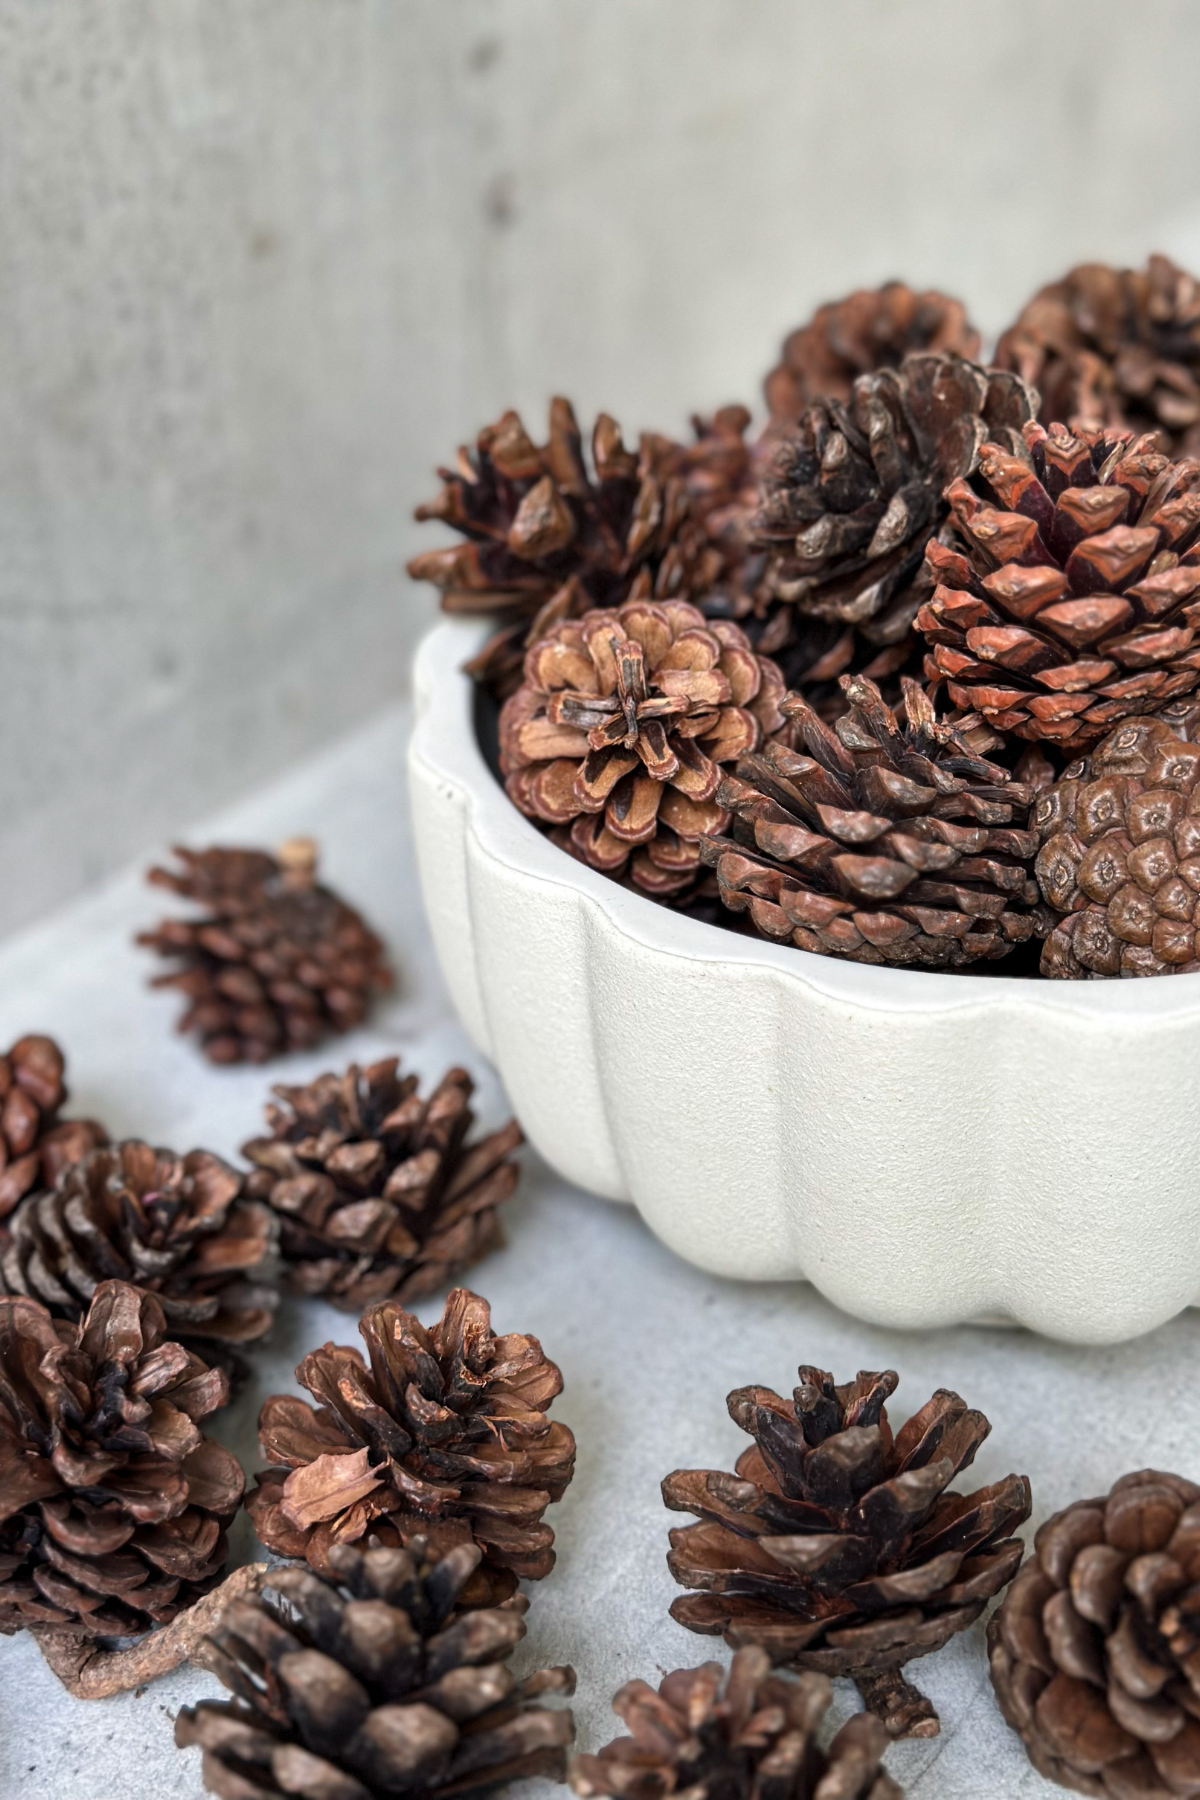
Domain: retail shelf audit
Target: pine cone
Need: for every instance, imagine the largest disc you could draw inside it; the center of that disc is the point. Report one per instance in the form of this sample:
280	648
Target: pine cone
279	963
1115	349
848	848
619	731
1094	1650
366	1684
35	1145
116	1506
1120	855
736	1734
875	328
377	1192
1077	605
174	1226
444	1435
854	493
548	538
836	1546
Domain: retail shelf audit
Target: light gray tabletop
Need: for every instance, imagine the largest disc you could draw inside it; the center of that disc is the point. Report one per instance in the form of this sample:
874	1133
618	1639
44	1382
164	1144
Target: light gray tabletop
648	1346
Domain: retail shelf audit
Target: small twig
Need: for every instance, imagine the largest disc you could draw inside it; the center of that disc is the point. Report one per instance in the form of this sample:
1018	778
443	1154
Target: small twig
904	1710
90	1673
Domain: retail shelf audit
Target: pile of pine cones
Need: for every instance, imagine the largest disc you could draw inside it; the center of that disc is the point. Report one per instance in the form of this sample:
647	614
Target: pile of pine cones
908	678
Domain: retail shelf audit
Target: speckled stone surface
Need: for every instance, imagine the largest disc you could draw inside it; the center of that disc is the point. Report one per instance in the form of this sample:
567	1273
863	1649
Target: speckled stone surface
648	1346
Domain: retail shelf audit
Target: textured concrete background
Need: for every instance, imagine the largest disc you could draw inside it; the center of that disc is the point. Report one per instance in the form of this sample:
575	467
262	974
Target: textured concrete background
262	264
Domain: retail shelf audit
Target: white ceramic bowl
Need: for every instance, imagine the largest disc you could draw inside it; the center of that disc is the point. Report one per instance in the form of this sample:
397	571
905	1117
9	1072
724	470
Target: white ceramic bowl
924	1148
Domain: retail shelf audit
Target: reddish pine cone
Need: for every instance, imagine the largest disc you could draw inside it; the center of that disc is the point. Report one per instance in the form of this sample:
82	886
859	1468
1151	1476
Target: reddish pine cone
35	1145
115	1504
1115	348
549	536
879	843
376	1189
874	328
618	736
445	1435
718	1734
1120	853
176	1226
279	963
837	1546
1078	604
1095	1651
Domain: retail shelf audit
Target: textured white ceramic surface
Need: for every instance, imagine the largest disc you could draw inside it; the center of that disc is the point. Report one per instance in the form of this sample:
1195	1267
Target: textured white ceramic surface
924	1148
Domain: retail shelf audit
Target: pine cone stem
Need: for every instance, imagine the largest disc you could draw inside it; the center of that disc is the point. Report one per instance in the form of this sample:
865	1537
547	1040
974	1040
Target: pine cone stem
89	1673
904	1710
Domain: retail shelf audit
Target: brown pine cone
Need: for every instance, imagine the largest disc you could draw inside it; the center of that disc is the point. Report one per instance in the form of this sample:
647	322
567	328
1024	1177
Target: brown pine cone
445	1434
1078	603
836	1546
175	1226
367	1684
875	328
736	1734
848	846
35	1144
619	731
279	963
1115	349
1095	1649
854	493
549	537
376	1190
1120	853
115	1504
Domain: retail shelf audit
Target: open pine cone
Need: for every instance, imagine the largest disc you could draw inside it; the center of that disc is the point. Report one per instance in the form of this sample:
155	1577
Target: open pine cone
1120	853
115	1505
445	1435
836	1546
366	1684
35	1144
1115	348
376	1190
880	843
175	1226
874	328
279	963
1075	601
851	497
1095	1649
548	537
618	735
736	1734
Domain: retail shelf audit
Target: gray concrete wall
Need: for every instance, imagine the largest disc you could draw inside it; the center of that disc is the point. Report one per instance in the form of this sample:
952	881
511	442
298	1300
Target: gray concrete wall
262	262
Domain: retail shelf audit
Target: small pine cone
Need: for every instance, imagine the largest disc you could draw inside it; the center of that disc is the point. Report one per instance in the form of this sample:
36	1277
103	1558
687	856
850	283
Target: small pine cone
1115	349
875	328
35	1145
550	538
850	847
836	1546
854	493
377	1192
1119	862
367	1684
279	963
618	735
116	1505
175	1226
1077	604
1095	1649
445	1434
736	1734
